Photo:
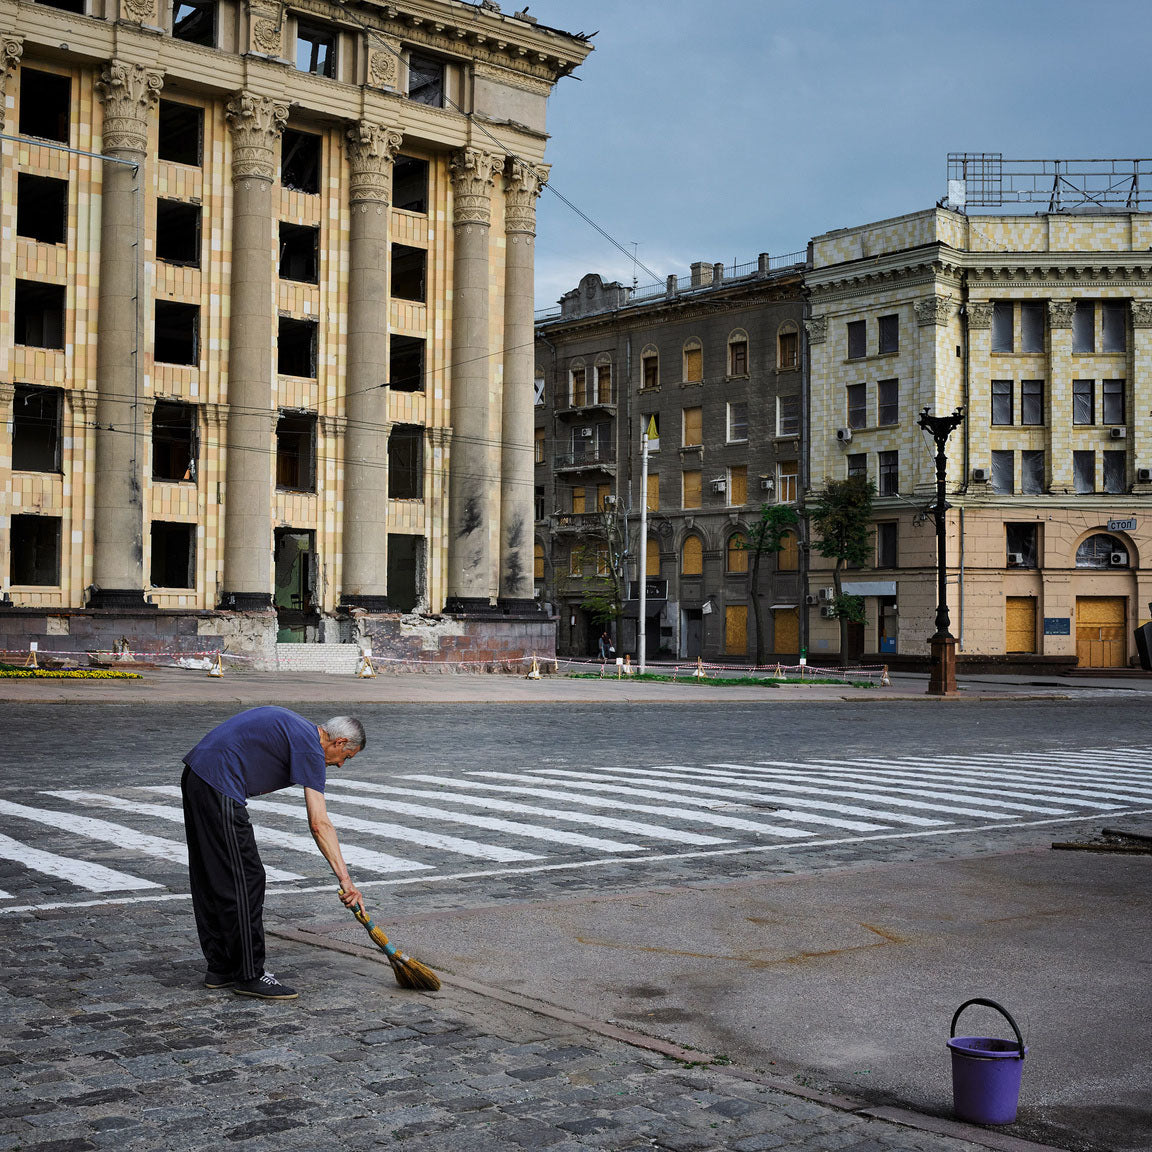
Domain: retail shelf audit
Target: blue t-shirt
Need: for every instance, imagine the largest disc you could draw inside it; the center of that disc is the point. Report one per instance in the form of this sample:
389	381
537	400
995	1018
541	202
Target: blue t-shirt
260	751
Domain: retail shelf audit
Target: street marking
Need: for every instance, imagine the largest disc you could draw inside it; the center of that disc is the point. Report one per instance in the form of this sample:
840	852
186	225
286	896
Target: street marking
160	811
531	831
1102	788
82	873
635	827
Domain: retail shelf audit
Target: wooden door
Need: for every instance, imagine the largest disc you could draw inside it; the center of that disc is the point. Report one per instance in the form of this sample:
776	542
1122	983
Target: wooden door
1101	631
1020	624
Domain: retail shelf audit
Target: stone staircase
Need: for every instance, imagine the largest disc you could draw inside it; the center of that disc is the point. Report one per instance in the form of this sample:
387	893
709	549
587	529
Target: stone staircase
336	659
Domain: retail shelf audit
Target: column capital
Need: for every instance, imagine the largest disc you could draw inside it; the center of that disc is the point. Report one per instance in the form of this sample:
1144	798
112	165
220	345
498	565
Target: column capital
980	314
439	436
215	414
1142	313
7	394
128	92
933	310
473	178
11	49
817	329
371	150
1060	313
332	425
523	184
83	401
256	123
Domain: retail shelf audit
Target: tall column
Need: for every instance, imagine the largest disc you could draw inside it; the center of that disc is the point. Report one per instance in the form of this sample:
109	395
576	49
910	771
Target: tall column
977	427
1141	418
517	453
473	482
7	396
1058	411
11	49
364	583
256	123
128	92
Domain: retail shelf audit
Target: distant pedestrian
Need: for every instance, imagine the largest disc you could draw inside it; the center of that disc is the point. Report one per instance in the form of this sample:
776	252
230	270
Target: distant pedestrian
606	646
258	751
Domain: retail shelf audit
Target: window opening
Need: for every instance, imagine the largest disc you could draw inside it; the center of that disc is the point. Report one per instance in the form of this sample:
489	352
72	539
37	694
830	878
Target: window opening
45	105
1032	327
1084	472
405	570
738	358
300	161
787	475
406	462
738	421
1003	467
538	393
406	363
296	451
299	253
174	441
177	333
1115	472
1083	401
738	485
886	541
691	481
693	363
604	384
194	21
1097	552
315	50
1084	326
857	405
693	427
36	415
35	551
1031	401
1002	333
41	208
181	133
76	6
787	415
410	184
889	473
295	567
789	350
738	553
857	339
173	555
178	233
857	464
409	267
578	387
1032	473
1021	542
1001	401
539	444
653	491
1115	327
887	402
1112	402
426	81
788	558
889	337
650	365
296	347
39	314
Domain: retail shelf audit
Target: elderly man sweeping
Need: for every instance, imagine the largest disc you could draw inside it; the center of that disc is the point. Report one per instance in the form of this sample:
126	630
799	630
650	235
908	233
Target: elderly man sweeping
258	751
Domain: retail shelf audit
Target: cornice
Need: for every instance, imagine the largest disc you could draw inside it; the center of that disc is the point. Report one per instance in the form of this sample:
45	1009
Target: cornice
850	288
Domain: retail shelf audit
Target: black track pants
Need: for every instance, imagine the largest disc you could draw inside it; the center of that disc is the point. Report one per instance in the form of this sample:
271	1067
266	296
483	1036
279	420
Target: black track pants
227	880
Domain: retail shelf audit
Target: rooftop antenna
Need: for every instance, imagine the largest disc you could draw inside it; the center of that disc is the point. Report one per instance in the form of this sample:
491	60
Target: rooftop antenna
635	246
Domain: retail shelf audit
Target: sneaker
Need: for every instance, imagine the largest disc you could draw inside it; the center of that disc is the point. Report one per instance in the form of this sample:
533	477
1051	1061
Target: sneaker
218	980
265	987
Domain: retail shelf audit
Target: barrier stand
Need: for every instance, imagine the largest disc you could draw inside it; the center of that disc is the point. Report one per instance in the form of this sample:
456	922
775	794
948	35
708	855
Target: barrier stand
535	673
700	674
779	674
217	669
884	681
31	661
364	669
619	666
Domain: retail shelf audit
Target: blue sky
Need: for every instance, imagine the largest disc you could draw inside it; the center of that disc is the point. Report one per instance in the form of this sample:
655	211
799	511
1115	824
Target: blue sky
717	130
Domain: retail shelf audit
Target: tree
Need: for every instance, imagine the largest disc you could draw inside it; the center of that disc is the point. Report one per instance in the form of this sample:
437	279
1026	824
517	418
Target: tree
764	537
841	518
605	542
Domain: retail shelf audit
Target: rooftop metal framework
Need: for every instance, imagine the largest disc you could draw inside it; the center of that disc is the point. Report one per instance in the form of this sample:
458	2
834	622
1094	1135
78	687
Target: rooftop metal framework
987	180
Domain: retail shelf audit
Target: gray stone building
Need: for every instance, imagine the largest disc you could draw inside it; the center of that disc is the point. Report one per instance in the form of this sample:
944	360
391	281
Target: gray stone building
712	363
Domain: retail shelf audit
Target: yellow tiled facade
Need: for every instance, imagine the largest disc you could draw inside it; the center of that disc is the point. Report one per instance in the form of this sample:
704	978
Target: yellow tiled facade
491	68
1040	329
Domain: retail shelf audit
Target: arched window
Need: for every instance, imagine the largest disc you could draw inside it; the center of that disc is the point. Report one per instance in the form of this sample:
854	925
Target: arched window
1102	551
692	557
538	562
788	346
650	367
738	353
604	394
738	553
693	362
578	384
788	558
652	560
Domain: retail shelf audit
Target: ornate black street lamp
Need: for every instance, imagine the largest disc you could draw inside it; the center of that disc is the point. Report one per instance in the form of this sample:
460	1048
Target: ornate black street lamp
942	681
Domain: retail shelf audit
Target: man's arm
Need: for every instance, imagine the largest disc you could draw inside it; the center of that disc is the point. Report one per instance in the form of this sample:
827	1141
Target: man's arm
325	836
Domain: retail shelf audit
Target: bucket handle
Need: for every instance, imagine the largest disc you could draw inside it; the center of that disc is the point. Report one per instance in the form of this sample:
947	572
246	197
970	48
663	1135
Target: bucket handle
999	1008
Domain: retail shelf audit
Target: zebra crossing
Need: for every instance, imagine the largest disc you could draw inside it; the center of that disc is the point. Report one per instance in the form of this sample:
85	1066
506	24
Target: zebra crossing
421	826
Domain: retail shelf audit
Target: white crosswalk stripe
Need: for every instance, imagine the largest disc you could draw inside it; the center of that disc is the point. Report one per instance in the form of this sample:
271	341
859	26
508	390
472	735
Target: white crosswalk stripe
544	817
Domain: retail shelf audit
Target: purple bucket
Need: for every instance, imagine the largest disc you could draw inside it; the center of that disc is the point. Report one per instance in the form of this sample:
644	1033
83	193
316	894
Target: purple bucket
986	1072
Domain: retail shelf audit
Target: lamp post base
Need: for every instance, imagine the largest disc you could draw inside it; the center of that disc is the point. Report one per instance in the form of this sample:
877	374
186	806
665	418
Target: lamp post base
942	681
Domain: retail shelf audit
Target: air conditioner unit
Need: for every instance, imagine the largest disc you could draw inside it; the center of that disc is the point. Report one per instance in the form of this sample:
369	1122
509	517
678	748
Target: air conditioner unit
843	435
1015	559
980	475
827	593
719	484
810	598
1118	559
586	432
1144	475
609	501
1117	433
767	483
828	612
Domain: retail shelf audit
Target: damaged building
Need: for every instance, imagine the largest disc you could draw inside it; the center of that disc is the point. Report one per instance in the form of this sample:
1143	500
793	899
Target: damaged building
265	339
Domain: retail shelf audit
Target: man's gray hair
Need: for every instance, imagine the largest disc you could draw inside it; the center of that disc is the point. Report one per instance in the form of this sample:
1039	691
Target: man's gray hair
346	728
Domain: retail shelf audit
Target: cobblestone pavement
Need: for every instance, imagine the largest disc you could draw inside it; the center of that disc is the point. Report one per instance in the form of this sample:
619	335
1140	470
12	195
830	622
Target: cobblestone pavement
110	1042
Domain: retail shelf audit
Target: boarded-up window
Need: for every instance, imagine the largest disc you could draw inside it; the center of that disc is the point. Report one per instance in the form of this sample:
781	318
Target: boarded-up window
603	496
693	363
691	489
736	629
578	500
788	558
538	562
1020	624
653	491
579	388
692	557
738	485
693	426
652	560
650	368
604	384
738	553
786	626
602	568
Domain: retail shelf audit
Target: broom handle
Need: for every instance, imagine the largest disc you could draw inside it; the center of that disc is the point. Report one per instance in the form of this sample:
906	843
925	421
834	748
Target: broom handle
361	914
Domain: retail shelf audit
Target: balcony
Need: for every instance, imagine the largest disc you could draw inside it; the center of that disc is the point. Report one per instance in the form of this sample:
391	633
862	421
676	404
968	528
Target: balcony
566	522
602	401
587	456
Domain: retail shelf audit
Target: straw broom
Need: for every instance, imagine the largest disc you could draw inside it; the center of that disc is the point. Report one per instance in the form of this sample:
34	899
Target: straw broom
410	973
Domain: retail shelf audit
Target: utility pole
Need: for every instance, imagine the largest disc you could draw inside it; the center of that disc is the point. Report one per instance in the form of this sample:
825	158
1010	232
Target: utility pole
642	573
